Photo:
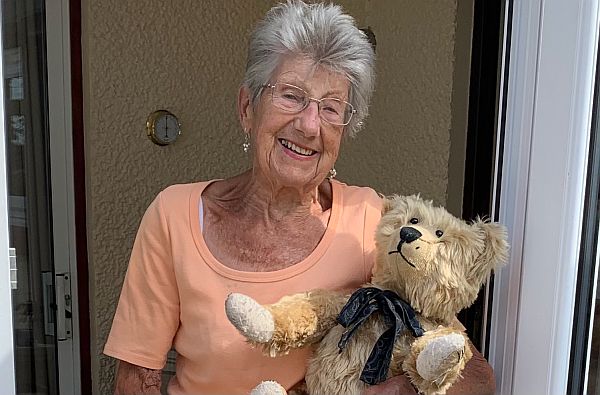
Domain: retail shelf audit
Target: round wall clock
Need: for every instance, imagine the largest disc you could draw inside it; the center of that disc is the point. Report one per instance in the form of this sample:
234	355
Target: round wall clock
162	127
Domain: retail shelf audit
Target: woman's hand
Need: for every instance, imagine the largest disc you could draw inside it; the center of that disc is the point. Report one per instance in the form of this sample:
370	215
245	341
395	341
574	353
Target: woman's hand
399	385
477	379
136	380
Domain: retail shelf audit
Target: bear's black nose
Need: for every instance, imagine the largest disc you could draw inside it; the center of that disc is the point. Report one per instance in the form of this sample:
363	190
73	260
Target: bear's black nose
409	234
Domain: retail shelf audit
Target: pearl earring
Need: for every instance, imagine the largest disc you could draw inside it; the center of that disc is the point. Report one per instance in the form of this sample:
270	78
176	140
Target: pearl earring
246	143
332	173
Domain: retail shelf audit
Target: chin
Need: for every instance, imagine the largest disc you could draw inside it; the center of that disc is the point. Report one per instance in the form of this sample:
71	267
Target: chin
298	181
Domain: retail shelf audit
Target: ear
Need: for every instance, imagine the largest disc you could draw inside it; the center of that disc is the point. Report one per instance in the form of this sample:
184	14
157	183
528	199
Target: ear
495	250
245	108
387	204
402	202
393	202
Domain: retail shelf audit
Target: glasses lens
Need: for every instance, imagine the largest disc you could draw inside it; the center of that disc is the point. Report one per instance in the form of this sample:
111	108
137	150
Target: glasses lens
292	99
288	97
335	111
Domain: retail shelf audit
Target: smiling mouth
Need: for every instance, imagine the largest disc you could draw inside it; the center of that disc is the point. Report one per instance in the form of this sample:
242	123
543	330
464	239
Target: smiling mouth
295	149
402	255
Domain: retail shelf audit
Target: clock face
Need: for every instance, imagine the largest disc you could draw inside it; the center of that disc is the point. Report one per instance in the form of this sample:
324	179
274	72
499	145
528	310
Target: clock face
166	128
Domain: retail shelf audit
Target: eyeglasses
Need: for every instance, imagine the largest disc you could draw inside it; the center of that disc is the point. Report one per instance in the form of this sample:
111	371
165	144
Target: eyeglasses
293	99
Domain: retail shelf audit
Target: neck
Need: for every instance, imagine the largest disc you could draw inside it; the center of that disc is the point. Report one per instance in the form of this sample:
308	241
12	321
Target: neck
251	195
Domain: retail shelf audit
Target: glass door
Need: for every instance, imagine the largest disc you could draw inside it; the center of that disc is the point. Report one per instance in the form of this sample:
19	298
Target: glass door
29	207
36	121
7	269
545	196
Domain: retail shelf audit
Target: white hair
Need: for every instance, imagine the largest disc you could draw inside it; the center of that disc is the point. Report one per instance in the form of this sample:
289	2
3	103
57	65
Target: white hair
324	34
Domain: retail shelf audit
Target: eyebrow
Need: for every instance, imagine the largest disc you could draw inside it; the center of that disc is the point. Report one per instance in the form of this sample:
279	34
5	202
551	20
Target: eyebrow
336	94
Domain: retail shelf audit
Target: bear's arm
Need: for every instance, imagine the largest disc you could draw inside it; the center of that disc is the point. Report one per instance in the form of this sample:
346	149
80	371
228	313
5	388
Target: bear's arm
303	319
478	379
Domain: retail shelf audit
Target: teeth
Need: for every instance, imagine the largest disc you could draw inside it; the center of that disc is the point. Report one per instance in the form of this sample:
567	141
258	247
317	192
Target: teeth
296	149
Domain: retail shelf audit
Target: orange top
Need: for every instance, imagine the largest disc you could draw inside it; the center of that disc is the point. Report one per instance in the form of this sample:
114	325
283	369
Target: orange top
175	289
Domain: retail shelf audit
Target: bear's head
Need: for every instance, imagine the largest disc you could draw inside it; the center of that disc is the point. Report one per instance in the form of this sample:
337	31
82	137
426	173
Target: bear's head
432	259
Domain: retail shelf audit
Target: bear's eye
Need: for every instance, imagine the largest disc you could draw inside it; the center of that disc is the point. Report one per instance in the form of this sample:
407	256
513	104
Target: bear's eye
414	221
439	233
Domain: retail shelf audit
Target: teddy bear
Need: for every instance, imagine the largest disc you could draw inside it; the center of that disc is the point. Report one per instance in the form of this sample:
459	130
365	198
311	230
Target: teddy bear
429	265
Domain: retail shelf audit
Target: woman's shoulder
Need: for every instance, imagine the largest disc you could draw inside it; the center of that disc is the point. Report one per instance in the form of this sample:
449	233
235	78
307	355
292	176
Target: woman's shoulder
178	195
184	188
354	194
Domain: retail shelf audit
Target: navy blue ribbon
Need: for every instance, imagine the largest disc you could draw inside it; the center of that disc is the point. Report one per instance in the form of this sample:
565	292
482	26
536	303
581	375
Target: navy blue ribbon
397	314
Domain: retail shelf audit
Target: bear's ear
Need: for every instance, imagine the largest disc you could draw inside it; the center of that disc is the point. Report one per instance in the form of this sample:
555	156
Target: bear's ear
387	204
495	250
390	202
398	202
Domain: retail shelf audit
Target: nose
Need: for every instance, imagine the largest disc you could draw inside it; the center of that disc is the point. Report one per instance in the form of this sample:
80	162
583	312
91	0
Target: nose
409	234
308	119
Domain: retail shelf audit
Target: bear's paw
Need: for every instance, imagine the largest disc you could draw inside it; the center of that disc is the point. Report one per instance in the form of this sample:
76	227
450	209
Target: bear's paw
439	354
250	318
268	388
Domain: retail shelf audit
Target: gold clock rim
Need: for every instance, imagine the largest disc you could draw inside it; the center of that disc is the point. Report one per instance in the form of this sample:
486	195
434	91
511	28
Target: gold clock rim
151	126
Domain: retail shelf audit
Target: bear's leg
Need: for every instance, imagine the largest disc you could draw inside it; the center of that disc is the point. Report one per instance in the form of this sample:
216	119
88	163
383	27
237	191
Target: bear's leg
436	360
292	322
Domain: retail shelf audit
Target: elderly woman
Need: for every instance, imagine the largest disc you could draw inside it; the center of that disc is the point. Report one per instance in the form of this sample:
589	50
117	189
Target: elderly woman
283	226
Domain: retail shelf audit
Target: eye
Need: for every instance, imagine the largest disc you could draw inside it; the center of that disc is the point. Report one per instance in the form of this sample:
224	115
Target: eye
331	110
414	221
285	94
333	106
439	233
292	96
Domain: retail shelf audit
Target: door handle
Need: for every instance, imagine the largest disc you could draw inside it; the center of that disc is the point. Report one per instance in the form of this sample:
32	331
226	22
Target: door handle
63	307
12	259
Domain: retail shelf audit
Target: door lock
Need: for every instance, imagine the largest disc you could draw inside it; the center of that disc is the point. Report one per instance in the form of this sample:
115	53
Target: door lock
64	313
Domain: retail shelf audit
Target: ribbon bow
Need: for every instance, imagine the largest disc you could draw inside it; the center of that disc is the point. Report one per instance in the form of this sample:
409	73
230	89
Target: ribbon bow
397	314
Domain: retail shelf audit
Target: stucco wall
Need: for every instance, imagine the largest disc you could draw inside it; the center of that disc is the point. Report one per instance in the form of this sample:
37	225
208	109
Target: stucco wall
188	56
405	145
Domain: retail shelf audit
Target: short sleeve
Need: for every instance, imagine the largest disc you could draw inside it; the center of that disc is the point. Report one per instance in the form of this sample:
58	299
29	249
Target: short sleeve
373	207
147	316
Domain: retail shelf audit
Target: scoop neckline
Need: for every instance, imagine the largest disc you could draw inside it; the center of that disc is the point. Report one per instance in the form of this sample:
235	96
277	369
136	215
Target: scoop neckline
263	277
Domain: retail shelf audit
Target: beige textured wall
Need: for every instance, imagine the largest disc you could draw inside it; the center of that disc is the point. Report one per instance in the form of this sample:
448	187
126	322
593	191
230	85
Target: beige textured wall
405	146
188	56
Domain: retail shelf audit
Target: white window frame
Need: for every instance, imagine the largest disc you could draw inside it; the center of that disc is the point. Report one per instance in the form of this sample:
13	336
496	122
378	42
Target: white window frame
549	101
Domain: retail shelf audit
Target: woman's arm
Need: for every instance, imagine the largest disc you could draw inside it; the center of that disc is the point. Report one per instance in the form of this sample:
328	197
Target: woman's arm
478	379
136	380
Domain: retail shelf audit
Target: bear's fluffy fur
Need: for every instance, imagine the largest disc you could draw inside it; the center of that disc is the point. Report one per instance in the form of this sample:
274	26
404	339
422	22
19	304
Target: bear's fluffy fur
439	273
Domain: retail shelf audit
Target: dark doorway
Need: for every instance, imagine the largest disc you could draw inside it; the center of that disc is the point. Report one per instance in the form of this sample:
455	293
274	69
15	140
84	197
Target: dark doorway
486	57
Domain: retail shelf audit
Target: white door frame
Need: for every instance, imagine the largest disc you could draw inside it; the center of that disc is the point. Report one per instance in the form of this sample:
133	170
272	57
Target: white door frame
549	99
61	166
7	356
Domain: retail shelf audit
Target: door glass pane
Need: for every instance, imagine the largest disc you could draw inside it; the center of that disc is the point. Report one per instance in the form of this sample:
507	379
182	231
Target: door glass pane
30	221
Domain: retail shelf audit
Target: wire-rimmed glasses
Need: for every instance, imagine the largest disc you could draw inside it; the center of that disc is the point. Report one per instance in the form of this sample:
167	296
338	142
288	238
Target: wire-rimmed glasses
293	99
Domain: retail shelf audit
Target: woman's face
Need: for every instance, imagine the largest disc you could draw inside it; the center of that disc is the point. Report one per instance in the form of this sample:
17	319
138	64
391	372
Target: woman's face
295	150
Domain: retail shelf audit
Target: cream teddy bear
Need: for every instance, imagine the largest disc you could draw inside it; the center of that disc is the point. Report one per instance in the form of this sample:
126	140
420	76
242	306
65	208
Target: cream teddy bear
429	266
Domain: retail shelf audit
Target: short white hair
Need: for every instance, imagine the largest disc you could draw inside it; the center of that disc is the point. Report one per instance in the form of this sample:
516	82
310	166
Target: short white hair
322	33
